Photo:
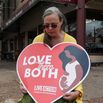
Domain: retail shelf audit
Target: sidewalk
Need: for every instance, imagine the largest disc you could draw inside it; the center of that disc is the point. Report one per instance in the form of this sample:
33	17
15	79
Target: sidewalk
9	88
93	85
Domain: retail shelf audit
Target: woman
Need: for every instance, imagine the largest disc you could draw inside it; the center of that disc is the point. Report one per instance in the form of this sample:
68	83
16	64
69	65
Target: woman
71	65
54	27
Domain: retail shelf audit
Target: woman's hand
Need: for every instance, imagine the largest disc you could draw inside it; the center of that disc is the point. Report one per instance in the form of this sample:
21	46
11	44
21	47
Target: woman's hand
23	89
71	96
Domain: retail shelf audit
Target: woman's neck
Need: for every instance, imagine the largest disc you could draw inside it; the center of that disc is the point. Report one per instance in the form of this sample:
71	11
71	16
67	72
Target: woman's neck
58	39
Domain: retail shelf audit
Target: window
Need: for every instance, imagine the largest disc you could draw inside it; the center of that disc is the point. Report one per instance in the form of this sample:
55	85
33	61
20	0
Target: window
11	45
94	36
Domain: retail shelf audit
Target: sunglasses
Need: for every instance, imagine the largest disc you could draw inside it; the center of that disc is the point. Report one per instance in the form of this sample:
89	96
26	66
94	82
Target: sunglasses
52	25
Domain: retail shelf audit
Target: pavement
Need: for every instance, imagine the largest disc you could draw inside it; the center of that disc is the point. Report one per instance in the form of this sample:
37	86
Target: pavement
10	92
93	85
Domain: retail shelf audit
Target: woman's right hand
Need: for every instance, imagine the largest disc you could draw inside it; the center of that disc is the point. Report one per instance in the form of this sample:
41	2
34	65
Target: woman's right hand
23	89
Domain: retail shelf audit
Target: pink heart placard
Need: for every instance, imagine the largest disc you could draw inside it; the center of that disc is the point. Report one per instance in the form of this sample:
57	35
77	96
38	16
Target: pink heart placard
47	73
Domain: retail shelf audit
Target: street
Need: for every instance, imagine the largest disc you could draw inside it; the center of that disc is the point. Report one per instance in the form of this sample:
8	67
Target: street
9	88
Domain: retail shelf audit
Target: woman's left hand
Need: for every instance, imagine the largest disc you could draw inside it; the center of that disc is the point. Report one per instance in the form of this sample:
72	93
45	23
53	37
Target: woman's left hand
71	96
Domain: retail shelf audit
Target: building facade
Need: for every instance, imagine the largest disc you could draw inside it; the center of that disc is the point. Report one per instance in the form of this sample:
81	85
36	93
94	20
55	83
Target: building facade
21	21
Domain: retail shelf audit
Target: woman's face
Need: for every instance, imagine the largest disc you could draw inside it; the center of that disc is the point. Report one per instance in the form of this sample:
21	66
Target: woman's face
52	24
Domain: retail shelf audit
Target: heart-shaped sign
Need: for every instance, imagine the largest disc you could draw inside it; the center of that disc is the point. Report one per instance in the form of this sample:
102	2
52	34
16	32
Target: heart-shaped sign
51	72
